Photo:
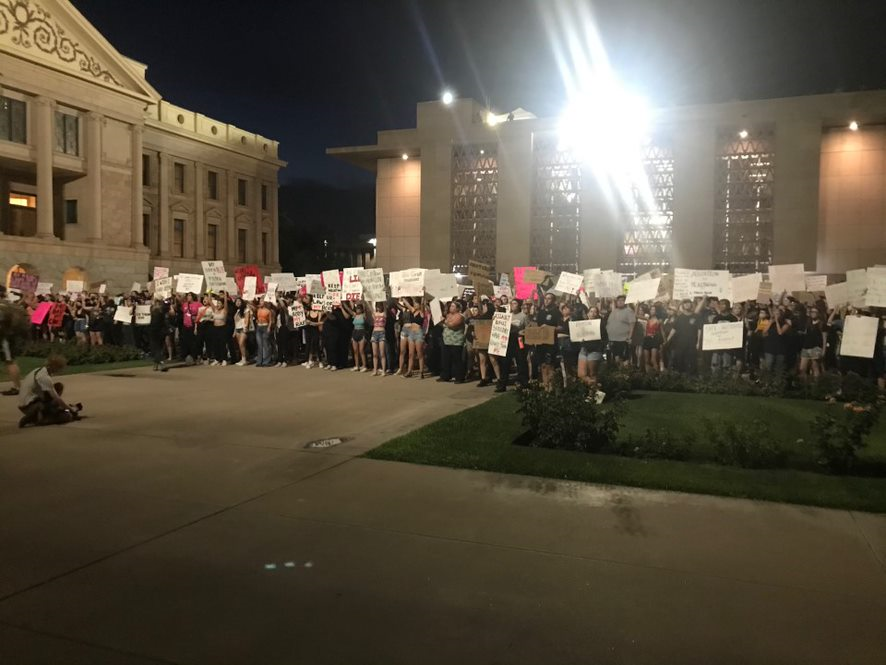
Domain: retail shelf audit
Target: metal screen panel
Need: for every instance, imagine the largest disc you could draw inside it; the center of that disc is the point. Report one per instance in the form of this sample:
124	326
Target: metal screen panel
474	205
555	232
745	202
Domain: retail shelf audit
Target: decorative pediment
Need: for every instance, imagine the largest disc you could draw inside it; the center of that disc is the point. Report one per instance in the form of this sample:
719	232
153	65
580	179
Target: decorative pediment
215	213
181	207
54	33
243	218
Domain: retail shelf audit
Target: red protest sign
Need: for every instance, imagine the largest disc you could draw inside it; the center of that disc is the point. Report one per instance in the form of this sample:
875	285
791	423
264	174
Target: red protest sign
241	273
57	315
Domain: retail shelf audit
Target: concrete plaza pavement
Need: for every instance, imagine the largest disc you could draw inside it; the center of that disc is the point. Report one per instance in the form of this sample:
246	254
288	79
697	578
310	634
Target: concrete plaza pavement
184	521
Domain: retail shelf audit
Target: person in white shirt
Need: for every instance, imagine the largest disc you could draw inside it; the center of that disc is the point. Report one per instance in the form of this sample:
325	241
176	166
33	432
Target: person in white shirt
40	398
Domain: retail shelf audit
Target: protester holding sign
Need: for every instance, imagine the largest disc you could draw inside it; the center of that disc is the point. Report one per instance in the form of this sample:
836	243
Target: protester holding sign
452	362
357	314
412	319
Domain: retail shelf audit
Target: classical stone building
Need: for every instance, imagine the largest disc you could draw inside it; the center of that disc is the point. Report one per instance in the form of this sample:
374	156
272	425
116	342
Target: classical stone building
101	179
736	186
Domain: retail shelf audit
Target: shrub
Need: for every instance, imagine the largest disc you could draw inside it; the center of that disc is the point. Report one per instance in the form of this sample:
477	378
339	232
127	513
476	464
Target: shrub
659	444
565	418
838	438
78	354
617	382
747	445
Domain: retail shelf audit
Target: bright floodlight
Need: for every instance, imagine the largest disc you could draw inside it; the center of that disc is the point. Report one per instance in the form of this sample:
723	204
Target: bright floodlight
853	126
608	125
743	134
373	241
447	97
404	156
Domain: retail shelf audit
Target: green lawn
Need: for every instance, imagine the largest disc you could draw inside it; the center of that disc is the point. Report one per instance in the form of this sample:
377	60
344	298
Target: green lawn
481	438
27	363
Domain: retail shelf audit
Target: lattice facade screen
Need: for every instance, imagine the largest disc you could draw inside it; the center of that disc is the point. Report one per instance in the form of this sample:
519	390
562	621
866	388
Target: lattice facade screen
745	204
647	242
474	205
555	232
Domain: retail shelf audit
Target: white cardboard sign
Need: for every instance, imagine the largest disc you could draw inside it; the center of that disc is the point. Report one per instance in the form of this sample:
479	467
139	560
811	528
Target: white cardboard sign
569	283
498	336
722	336
142	315
584	331
189	283
746	287
641	290
859	336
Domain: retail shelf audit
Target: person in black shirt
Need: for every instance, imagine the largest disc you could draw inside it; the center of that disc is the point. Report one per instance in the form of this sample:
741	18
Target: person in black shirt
548	315
723	359
812	343
684	339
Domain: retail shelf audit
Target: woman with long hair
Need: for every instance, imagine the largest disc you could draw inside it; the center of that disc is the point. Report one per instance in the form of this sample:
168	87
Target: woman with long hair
379	358
358	335
242	325
313	328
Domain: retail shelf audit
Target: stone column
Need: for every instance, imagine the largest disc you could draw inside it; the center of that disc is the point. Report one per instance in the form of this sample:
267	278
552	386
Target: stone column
163	190
275	224
257	218
199	221
231	192
45	135
138	232
94	123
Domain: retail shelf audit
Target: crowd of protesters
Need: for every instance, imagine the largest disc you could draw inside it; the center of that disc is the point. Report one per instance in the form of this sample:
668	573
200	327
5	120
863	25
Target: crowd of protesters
399	336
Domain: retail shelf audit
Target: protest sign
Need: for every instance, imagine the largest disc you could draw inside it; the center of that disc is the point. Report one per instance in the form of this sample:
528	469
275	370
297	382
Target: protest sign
641	290
588	279
522	287
443	286
584	331
569	282
160	272
216	277
859	336
500	333
74	286
875	296
837	295
142	315
286	282
251	270
136	287
746	287
478	270
163	288
373	281
330	278
297	312
484	287
41	313
102	289
689	284
57	315
534	276
315	284
816	283
43	288
436	310
271	293
502	291
249	287
189	283
539	335
482	330
23	282
230	286
764	293
124	314
352	287
607	284
723	336
788	277
504	280
408	283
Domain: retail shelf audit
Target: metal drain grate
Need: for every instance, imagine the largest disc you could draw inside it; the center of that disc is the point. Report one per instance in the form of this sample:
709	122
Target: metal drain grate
121	376
326	443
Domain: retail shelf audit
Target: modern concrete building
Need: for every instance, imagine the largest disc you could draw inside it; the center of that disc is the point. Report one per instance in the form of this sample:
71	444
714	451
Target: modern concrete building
736	186
101	179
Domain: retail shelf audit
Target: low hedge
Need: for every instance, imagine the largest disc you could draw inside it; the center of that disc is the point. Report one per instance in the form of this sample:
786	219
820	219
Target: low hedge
79	354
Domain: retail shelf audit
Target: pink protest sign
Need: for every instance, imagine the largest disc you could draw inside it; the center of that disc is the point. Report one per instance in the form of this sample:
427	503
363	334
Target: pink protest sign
522	289
40	313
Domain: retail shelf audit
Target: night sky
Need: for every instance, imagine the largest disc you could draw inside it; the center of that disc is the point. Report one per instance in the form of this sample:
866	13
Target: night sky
320	73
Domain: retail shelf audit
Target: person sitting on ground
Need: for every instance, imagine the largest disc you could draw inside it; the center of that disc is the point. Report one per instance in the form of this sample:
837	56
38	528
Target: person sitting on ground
41	401
12	325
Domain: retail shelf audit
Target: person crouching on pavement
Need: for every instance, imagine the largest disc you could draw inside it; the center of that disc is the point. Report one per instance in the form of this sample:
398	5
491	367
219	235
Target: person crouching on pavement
40	400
